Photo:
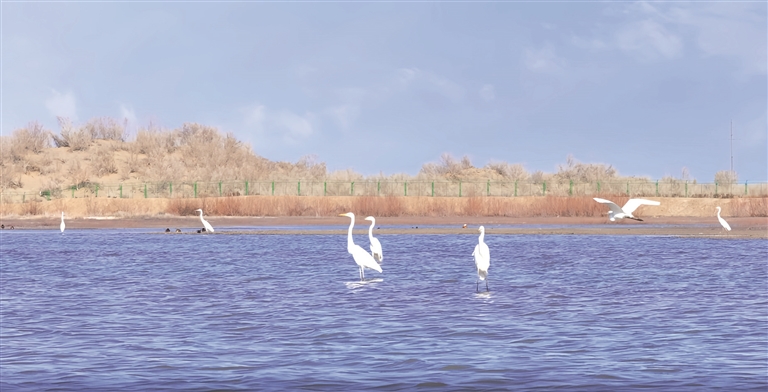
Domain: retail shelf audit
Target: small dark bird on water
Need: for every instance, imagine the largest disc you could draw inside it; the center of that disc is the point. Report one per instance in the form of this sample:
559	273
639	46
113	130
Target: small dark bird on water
178	230
198	231
167	230
203	229
2	226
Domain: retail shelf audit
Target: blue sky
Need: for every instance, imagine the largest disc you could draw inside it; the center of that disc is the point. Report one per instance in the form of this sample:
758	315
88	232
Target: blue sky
385	87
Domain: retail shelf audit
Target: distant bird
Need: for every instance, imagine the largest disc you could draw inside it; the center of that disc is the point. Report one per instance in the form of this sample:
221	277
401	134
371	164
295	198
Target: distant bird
167	230
178	230
464	227
62	225
375	244
2	227
723	223
198	231
207	225
362	258
617	212
482	260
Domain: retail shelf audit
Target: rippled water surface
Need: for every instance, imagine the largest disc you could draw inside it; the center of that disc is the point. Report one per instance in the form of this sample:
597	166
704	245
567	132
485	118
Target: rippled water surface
116	310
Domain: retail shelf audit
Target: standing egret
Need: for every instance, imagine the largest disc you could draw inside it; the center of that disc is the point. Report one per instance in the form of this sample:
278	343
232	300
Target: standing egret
362	258
617	212
375	244
482	260
62	225
207	225
725	224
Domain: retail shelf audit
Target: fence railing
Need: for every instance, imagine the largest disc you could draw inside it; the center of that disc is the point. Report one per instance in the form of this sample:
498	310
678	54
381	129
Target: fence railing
133	190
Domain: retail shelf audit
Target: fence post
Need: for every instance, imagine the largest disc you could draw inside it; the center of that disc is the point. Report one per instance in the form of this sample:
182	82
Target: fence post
598	187
325	187
627	188
489	188
121	191
273	188
745	188
515	188
570	189
459	188
378	188
73	191
219	188
433	189
405	188
298	188
195	189
145	190
686	189
246	188
657	188
715	188
544	188
24	197
97	190
170	187
352	189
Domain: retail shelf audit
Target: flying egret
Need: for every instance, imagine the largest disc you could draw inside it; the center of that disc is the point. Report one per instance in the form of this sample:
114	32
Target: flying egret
362	258
482	260
375	244
62	225
616	212
725	224
207	225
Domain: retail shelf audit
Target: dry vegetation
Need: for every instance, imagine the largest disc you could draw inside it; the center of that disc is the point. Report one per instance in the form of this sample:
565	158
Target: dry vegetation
388	206
35	160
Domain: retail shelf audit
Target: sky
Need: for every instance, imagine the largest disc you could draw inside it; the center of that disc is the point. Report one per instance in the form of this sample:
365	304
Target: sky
384	87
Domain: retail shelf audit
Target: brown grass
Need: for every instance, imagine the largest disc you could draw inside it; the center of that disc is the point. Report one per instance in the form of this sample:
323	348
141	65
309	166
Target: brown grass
384	206
390	206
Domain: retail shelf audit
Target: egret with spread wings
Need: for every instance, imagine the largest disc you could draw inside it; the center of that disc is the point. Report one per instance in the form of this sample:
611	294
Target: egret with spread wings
616	212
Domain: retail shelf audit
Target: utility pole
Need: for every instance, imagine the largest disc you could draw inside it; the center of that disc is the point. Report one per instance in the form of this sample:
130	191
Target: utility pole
731	147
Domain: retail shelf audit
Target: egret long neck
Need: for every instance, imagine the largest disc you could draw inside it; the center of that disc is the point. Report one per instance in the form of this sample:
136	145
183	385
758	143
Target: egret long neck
370	229
482	236
350	243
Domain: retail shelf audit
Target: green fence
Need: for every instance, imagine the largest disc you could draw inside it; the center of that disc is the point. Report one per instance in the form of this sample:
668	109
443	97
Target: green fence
391	188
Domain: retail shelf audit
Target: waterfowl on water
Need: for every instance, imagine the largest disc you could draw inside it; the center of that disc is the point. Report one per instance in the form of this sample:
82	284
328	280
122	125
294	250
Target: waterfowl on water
362	258
482	260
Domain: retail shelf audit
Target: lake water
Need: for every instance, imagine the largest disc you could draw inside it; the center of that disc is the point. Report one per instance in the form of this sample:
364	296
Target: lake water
134	310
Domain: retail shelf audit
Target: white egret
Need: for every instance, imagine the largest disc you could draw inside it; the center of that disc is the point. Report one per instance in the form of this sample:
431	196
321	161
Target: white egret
375	244
362	258
725	224
482	259
617	212
207	225
62	225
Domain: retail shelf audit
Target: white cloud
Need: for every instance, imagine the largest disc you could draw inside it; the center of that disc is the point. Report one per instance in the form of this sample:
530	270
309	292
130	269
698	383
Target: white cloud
543	60
344	115
62	105
127	113
285	125
488	93
661	31
293	126
648	39
728	29
415	78
254	116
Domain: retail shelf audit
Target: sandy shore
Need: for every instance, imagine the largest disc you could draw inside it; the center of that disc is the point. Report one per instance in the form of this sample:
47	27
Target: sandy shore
756	228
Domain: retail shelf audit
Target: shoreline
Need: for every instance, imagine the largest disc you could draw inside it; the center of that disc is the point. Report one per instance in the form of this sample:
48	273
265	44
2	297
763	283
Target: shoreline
695	227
